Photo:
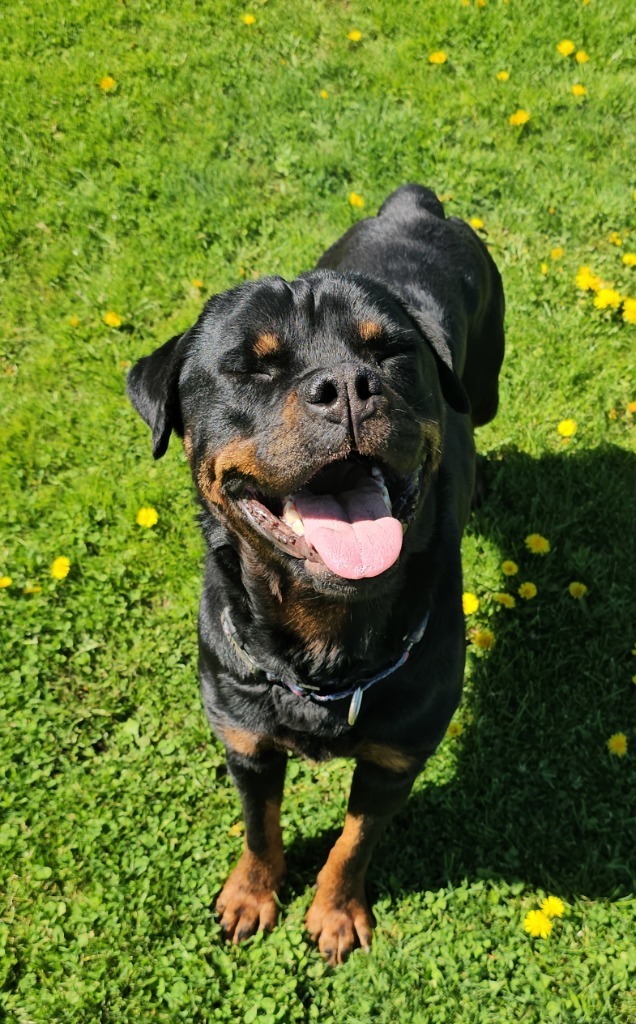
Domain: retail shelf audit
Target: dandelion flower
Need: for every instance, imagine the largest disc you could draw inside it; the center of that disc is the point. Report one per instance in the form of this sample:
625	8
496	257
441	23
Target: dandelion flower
248	19
60	567
537	544
107	83
519	117
503	76
509	568
507	600
356	200
5	581
579	90
577	590
454	729
355	35
147	517
557	252
197	282
552	906
484	639
566	47
470	603
581	57
615	238
588	281
607	298
437	57
476	223
74	321
617	744
629	259
112	319
631	407
527	591
537	924
567	428
324	95
629	311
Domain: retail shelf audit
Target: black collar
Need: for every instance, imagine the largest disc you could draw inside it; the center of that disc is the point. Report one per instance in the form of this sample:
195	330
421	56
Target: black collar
313	692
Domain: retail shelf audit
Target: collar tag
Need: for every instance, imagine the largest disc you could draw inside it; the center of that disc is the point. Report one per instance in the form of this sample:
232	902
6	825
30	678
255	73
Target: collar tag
354	707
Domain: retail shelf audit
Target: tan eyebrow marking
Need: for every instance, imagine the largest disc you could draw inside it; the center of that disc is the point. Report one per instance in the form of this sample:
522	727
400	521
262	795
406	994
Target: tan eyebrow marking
266	344
369	329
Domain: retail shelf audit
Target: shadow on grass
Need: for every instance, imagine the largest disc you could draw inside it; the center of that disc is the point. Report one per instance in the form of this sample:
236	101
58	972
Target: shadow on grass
536	795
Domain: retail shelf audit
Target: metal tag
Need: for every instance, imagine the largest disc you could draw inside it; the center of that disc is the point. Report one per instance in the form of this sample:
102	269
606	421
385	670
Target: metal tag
354	707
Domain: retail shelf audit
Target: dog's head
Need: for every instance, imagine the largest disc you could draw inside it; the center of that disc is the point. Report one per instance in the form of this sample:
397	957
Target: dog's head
312	414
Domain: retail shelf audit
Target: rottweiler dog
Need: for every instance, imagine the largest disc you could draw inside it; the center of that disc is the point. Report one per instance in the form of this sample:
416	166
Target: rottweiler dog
328	422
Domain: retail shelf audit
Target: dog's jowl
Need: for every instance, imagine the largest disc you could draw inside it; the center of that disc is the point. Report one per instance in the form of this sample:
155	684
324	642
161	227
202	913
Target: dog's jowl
328	422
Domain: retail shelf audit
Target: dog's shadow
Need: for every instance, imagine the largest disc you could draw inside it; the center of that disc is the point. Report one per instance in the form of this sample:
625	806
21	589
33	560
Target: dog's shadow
535	794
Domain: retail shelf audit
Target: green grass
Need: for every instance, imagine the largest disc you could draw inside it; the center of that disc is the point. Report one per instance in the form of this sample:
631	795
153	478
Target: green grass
216	158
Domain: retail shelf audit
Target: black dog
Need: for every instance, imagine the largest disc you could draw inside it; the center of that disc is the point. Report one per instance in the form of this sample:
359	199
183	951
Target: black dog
329	424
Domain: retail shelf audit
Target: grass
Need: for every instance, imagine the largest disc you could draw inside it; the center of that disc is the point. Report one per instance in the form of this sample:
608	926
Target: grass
215	158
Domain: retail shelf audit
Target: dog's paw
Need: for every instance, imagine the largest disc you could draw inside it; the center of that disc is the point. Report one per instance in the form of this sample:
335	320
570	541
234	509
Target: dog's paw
248	901
339	923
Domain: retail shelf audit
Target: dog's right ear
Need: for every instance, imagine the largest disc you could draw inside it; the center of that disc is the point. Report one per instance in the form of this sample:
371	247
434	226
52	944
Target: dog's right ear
153	389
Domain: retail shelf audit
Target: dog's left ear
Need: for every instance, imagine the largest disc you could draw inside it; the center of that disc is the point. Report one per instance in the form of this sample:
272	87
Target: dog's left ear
452	387
153	389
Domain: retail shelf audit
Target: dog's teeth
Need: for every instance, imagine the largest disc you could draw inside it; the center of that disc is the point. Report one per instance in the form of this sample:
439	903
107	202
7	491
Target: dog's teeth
292	517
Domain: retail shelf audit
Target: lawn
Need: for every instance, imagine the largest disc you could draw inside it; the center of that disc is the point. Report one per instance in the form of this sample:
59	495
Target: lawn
153	154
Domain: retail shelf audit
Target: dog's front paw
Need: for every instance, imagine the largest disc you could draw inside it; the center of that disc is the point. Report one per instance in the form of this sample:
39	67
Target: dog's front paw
339	922
248	901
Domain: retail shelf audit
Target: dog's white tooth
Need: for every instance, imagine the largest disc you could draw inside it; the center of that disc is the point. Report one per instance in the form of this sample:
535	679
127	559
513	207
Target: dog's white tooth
298	527
292	518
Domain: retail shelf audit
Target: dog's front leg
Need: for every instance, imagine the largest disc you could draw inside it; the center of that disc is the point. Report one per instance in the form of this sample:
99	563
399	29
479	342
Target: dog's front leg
248	901
339	918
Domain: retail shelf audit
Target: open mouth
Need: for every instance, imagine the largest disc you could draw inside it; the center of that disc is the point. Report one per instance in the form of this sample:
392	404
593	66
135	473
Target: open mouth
350	518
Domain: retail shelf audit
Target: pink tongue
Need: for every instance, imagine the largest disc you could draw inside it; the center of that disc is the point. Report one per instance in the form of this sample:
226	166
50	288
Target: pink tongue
353	532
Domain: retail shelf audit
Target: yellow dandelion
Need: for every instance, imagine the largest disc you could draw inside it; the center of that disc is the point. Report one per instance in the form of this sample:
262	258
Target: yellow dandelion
587	281
567	428
481	3
74	321
509	568
607	298
629	259
324	95
507	600
577	590
537	544
5	581
519	118
527	591
248	19
60	567
615	238
631	407
476	223
112	319
107	83
483	638
581	57
579	90
544	268
557	252
147	517
356	200
617	744
537	924
503	76
552	906
355	35
612	414
197	282
566	47
629	312
454	729
470	603
437	57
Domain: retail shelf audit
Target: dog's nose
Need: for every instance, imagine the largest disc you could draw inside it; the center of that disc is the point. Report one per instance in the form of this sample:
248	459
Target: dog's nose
346	394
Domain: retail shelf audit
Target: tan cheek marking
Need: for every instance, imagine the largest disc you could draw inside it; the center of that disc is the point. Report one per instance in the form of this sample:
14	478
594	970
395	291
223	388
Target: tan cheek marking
384	756
267	344
239	455
242	741
369	329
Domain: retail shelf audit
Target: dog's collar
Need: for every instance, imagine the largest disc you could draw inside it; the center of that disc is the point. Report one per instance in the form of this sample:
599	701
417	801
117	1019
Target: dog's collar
313	692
